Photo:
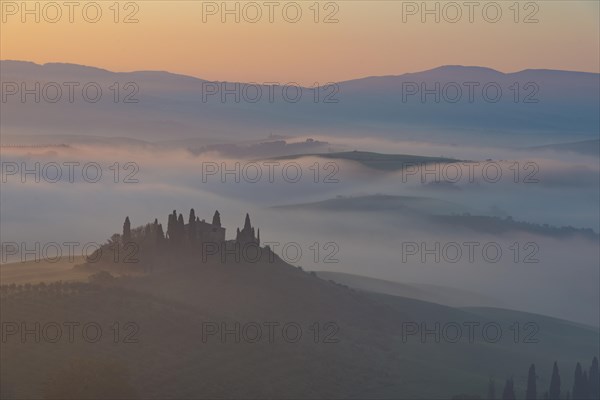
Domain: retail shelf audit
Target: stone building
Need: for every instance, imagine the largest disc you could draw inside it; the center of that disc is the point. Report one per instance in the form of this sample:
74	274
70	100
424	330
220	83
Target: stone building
210	233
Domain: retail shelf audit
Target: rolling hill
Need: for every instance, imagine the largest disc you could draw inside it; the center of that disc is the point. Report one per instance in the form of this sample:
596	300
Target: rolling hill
439	212
359	351
376	161
410	205
429	293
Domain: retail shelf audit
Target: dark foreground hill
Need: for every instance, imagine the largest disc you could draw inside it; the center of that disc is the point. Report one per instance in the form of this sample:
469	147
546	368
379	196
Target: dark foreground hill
177	337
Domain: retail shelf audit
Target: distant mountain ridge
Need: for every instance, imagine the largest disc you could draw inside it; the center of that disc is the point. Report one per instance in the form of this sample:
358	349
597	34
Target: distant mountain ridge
468	69
551	106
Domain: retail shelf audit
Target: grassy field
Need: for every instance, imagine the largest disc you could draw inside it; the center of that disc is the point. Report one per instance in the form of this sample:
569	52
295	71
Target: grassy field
34	272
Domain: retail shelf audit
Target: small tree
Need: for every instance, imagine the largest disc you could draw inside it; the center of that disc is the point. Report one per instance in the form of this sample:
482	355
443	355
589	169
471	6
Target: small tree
180	228
554	392
578	384
491	393
160	236
172	226
594	380
531	393
126	231
509	390
192	225
585	385
216	219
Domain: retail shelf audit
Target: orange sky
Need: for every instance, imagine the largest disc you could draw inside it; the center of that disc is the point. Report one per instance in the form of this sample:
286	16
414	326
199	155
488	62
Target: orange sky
370	37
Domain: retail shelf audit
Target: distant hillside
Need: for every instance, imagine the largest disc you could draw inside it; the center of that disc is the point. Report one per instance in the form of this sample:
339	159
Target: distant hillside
266	148
378	161
439	212
430	293
587	147
497	225
551	105
412	205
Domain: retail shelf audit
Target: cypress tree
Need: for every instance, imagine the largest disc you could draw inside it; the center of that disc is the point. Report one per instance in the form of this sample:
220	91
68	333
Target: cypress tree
531	393
594	380
585	385
216	219
509	390
171	226
578	384
491	393
192	225
180	228
160	236
554	392
126	231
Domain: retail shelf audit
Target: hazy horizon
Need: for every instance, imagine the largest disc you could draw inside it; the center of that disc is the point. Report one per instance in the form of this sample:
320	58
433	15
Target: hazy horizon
398	74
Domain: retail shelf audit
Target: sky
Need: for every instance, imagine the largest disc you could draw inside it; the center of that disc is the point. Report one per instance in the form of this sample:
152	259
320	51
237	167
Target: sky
303	41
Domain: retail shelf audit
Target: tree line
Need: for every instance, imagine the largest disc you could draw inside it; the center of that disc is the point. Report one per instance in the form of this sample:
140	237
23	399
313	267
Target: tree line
586	385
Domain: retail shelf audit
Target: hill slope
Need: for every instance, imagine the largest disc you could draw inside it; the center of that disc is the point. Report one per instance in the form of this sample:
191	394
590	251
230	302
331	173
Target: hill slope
429	293
359	351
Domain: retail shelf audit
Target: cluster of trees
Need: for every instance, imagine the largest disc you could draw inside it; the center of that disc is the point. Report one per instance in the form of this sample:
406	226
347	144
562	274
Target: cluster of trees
149	233
138	247
177	230
176	226
586	385
133	243
508	223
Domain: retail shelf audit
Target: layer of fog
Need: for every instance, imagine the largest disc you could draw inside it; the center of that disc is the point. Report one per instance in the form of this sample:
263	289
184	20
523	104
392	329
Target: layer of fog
564	283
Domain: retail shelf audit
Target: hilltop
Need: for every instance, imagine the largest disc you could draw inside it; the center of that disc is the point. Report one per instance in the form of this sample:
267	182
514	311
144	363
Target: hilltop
353	344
